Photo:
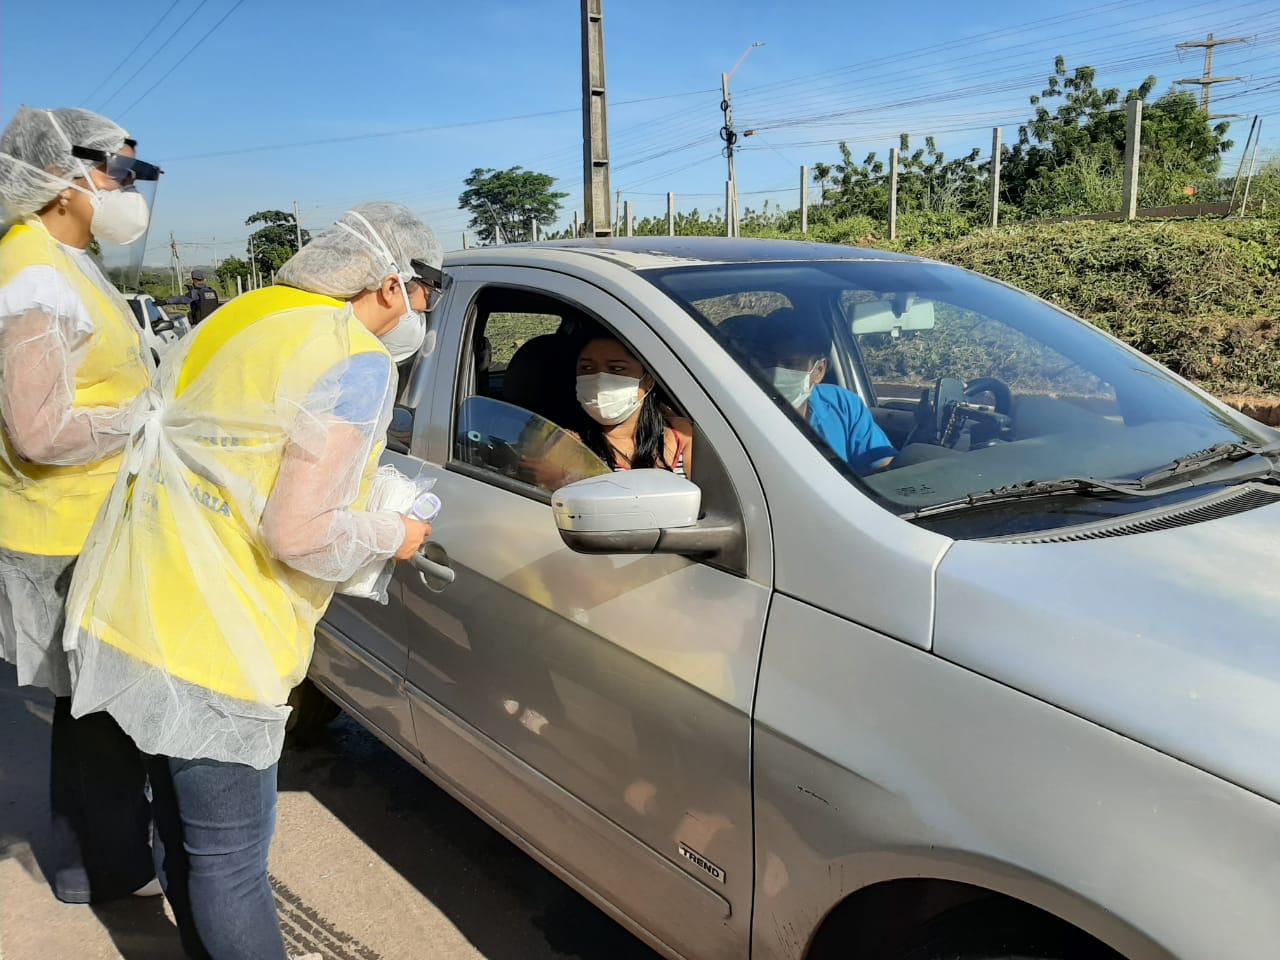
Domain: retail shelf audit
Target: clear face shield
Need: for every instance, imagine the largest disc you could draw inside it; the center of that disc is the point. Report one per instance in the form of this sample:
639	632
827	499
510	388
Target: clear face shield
122	218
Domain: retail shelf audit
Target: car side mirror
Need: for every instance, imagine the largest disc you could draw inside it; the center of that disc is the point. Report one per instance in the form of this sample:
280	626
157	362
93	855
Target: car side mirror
400	433
638	511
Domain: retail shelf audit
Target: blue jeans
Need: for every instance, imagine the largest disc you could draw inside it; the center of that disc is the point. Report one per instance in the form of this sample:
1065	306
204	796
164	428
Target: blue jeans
214	823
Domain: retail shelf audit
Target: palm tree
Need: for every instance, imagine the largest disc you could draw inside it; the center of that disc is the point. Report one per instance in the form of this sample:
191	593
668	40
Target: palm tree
822	173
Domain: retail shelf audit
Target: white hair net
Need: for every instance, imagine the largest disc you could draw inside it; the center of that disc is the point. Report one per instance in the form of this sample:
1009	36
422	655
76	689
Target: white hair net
345	259
35	154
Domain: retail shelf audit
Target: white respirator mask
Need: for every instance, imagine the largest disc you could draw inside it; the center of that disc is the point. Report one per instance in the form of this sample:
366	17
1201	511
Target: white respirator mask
607	398
405	338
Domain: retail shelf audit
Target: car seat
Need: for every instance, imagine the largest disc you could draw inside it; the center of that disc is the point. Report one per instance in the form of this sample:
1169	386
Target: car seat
540	378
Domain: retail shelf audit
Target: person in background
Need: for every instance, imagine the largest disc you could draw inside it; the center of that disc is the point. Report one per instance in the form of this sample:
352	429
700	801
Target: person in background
192	614
793	354
71	369
202	298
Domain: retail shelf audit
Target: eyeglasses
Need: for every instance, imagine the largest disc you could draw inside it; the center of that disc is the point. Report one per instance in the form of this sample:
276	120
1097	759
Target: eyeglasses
123	170
431	279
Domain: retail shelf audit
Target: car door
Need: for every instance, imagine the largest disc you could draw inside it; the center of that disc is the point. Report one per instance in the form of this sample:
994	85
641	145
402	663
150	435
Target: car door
361	650
597	706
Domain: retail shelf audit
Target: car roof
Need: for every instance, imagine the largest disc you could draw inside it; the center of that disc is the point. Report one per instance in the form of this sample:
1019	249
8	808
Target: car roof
652	253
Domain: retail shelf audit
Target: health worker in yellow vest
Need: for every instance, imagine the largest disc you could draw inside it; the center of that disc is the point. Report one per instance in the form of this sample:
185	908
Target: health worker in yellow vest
72	368
238	512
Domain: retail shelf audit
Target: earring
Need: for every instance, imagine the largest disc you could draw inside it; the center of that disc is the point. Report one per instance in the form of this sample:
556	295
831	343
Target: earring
62	202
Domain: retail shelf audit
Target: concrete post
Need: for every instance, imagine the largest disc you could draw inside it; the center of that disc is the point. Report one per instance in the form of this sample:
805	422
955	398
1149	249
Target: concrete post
893	193
671	214
628	224
577	225
804	199
995	177
1132	151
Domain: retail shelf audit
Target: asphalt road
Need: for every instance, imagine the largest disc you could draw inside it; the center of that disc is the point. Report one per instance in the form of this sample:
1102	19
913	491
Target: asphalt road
370	861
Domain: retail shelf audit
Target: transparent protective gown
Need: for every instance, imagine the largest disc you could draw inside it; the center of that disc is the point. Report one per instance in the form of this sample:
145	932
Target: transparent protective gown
71	369
192	611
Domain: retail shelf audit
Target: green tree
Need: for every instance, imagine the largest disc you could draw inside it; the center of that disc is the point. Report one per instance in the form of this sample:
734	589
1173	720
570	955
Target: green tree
1086	134
230	268
821	174
275	242
509	200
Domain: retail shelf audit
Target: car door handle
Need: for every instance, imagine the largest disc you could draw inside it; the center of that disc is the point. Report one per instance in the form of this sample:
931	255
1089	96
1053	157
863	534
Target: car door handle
429	568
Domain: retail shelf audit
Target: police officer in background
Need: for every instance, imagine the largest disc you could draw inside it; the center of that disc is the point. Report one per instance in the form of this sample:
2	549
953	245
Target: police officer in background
203	298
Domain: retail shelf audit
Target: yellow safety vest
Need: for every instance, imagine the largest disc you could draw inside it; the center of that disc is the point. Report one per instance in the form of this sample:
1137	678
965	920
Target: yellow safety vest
45	509
185	581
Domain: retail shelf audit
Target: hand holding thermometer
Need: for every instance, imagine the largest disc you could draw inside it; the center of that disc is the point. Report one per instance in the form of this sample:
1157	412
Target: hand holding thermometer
426	507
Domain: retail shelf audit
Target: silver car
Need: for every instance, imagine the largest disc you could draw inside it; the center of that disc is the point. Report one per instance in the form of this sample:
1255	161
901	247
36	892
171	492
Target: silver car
1015	694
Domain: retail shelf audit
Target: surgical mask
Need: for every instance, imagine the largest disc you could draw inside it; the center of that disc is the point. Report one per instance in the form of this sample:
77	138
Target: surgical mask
608	398
405	338
794	385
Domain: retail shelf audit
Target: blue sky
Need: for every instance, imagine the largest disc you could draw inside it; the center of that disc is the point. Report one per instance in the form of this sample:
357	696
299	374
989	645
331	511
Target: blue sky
217	81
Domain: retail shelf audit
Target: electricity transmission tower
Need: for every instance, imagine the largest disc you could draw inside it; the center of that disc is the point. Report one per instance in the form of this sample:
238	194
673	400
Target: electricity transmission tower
1206	80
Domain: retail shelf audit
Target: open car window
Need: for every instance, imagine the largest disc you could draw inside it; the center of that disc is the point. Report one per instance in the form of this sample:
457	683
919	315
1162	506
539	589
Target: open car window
518	444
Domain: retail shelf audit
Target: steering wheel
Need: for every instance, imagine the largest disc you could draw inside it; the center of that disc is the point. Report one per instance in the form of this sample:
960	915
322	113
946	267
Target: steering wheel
994	386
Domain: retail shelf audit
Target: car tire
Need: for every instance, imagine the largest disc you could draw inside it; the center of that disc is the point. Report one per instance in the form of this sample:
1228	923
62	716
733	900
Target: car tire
312	712
998	930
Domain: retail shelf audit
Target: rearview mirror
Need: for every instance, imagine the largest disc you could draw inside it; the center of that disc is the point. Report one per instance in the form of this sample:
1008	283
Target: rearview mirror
888	316
638	511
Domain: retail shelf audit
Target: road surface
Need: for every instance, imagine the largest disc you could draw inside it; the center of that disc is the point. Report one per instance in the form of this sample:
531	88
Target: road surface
370	861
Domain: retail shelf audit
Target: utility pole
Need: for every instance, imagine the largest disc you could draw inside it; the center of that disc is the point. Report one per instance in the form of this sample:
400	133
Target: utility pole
1207	79
627	225
577	225
595	121
730	138
176	262
671	214
297	223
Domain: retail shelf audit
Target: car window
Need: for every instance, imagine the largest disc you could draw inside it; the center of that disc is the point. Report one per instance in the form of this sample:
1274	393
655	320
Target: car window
518	444
966	345
975	386
153	312
517	413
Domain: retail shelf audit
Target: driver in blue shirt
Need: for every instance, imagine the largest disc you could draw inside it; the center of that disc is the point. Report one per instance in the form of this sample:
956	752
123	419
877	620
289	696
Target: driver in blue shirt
793	355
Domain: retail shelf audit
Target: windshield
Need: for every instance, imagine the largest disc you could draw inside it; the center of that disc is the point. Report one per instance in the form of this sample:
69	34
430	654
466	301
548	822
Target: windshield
929	383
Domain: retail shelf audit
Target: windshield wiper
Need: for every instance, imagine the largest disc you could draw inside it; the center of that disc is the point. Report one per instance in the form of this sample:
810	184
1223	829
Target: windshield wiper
1143	486
1218	453
1083	486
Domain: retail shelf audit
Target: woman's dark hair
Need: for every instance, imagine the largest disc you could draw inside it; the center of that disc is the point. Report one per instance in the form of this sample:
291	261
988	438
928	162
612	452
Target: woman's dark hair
651	428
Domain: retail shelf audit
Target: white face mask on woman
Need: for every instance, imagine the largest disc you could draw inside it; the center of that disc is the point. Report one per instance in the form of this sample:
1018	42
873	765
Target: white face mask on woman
794	385
608	398
119	216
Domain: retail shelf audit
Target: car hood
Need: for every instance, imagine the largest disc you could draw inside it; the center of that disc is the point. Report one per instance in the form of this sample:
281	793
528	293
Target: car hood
1171	638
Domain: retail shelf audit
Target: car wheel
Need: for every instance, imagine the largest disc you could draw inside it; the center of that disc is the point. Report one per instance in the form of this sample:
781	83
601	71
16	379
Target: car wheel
1001	931
312	711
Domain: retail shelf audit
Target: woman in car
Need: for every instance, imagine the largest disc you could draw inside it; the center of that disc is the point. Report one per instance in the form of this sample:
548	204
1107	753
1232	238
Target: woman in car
630	426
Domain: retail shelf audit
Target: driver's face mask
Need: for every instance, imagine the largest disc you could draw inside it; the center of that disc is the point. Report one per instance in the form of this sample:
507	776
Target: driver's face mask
794	386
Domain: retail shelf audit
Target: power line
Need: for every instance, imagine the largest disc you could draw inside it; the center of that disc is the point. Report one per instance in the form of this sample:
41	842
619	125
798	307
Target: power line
146	93
147	63
145	37
406	131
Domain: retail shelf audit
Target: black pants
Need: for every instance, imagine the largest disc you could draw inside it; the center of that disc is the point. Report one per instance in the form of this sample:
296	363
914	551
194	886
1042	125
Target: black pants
101	815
